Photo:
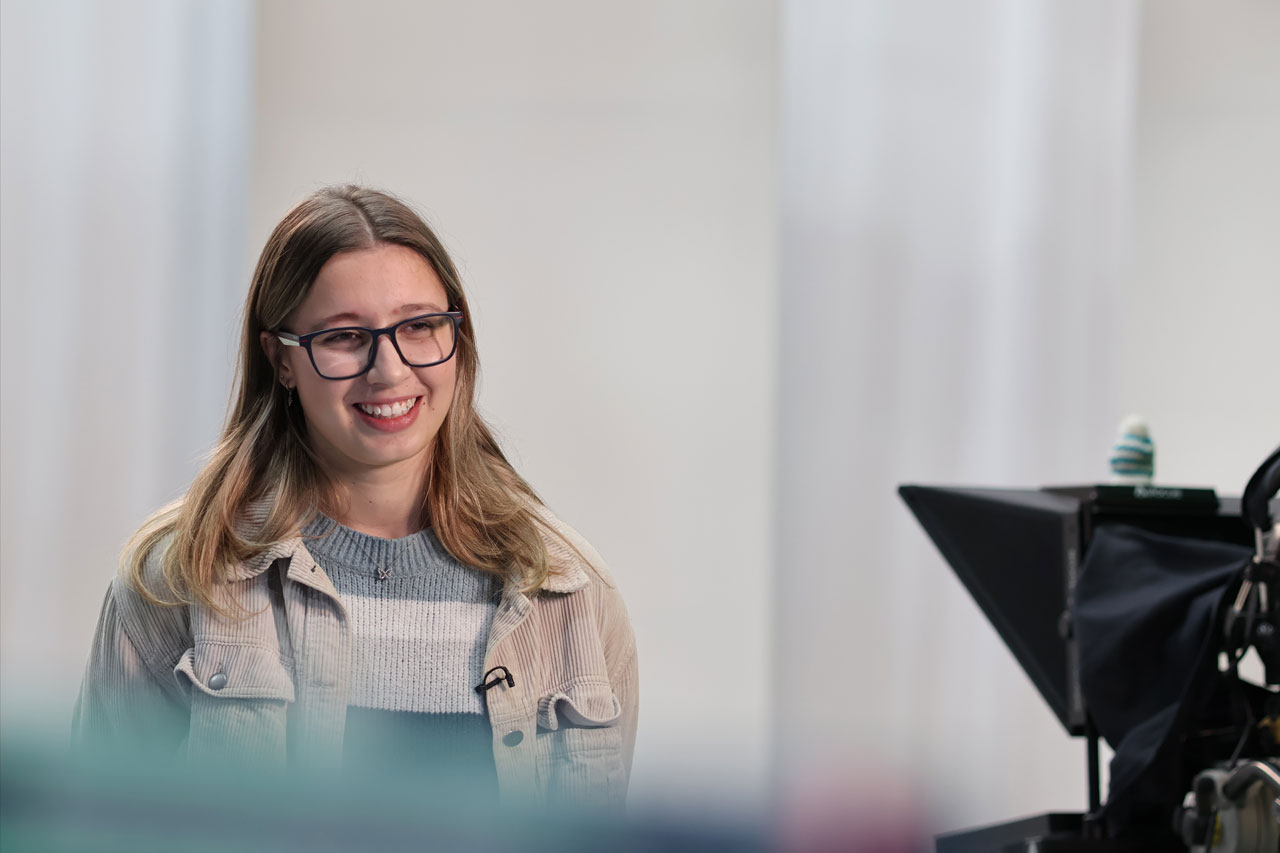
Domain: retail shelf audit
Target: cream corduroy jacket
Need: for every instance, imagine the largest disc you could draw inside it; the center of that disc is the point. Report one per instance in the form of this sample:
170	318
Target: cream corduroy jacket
272	688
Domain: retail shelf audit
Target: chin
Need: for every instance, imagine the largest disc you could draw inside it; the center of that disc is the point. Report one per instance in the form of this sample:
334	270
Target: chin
382	457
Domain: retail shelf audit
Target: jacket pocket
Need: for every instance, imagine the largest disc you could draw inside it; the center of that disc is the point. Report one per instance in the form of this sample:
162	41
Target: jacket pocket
228	670
240	696
579	745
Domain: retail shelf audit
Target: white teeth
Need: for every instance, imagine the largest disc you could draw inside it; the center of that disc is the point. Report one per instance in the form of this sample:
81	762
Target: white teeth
389	410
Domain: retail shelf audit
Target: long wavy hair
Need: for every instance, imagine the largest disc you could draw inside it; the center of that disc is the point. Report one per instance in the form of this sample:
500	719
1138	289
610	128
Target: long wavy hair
480	509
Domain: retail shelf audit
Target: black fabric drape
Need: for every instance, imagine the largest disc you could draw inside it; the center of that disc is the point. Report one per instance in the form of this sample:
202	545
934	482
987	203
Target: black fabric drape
1145	615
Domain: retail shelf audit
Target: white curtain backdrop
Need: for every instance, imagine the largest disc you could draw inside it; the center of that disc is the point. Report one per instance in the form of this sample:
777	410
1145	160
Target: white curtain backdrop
954	202
124	137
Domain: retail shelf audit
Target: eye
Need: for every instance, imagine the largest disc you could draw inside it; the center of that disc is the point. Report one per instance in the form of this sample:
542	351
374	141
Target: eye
340	339
424	325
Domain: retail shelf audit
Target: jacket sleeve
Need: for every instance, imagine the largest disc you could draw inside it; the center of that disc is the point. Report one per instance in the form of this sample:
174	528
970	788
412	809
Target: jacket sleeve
129	697
624	678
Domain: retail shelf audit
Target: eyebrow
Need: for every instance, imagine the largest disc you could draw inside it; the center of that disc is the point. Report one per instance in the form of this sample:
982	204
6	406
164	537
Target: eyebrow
348	318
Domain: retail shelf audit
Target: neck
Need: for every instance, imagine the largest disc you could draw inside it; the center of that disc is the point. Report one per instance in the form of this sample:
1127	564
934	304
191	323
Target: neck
382	503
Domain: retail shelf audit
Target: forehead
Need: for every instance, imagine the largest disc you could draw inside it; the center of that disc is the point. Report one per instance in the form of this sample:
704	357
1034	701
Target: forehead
372	285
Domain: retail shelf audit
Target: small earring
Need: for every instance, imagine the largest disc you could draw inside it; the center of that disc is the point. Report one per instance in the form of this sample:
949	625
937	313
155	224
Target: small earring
289	404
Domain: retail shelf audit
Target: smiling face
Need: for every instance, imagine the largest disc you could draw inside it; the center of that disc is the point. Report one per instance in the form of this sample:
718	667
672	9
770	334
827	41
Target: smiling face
387	419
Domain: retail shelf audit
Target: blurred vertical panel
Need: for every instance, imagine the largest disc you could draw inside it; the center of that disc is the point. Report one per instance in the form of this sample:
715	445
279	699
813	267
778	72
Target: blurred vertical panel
124	137
954	209
604	174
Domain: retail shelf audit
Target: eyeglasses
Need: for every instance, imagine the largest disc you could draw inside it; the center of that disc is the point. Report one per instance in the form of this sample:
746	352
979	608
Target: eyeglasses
349	351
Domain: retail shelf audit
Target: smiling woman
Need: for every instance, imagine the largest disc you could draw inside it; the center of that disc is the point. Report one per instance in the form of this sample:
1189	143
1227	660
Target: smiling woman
358	579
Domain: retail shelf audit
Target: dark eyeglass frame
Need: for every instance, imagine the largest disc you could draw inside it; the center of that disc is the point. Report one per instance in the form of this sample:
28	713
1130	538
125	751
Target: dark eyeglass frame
291	340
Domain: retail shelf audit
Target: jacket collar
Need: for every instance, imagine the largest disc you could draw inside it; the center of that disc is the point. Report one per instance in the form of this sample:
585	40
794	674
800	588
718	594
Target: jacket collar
569	569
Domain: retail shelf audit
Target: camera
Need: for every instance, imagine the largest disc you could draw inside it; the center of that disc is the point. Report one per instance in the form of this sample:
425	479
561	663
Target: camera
1131	608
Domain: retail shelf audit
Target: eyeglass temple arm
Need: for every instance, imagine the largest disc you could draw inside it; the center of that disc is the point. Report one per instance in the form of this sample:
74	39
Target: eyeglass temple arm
288	339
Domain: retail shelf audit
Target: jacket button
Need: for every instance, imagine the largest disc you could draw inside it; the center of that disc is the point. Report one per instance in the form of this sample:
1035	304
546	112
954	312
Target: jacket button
217	681
513	738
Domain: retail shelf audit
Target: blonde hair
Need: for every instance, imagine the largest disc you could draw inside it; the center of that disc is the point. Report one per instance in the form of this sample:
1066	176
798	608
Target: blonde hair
480	509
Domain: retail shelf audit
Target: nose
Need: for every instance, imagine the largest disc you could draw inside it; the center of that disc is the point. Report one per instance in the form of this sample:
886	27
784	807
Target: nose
387	368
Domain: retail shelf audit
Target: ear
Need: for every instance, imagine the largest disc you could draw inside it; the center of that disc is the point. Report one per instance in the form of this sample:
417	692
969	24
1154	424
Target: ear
274	351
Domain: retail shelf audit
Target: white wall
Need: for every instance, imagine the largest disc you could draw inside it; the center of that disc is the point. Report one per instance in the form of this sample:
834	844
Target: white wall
604	175
1202	314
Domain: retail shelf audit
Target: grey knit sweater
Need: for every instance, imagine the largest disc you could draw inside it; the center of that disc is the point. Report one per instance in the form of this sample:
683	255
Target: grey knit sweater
419	622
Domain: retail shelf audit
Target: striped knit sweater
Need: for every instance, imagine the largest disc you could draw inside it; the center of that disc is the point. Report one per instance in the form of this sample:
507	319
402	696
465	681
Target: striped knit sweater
420	621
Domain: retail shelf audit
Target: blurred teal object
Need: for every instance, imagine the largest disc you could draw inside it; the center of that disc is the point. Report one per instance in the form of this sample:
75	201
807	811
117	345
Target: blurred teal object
52	801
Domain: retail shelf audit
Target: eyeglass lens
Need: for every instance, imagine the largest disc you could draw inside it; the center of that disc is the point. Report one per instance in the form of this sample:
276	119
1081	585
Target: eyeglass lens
423	341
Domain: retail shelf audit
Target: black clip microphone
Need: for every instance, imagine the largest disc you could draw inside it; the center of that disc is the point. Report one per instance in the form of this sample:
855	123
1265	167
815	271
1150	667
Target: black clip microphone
488	684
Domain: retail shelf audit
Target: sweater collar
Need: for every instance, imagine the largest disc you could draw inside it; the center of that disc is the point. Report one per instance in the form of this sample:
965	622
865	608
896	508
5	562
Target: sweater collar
569	568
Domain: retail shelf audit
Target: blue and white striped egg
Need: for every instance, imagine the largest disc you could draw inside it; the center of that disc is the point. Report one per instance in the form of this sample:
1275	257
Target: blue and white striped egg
1133	455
